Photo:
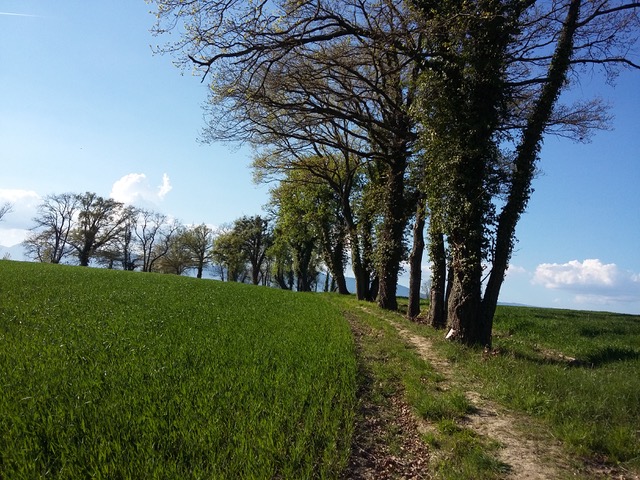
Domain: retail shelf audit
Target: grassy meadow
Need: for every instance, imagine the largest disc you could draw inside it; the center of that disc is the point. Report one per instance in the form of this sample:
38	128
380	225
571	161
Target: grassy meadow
107	374
577	372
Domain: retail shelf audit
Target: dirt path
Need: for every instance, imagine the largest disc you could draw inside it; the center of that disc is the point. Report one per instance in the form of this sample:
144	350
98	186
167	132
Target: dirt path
528	458
531	452
387	443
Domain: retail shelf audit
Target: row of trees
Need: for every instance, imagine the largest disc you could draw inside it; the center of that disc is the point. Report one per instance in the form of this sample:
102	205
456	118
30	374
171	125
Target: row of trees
89	229
373	116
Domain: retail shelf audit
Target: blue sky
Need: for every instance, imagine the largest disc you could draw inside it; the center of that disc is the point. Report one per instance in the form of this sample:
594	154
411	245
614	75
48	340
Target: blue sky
86	106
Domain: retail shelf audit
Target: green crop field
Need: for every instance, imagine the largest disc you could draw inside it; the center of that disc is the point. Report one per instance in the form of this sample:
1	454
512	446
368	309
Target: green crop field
107	374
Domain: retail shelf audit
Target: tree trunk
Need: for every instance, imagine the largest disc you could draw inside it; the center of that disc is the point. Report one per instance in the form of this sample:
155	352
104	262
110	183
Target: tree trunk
373	289
437	316
84	254
341	282
526	157
357	263
360	273
255	271
465	299
200	268
390	245
415	261
334	257
303	254
464	308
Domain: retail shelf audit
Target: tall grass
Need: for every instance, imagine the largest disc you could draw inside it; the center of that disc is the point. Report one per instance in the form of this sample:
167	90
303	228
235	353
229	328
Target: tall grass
109	374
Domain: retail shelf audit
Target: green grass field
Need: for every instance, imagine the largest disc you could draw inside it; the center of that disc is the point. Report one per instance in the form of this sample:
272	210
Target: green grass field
108	374
578	372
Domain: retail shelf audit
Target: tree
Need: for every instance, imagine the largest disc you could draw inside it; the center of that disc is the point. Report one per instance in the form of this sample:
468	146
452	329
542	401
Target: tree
334	182
476	82
254	239
198	241
5	209
437	317
305	229
121	249
177	256
491	84
415	260
56	218
100	220
154	233
127	240
229	255
282	261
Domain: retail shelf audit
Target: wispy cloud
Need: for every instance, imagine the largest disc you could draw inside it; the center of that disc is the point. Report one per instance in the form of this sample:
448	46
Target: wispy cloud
11	14
165	187
514	270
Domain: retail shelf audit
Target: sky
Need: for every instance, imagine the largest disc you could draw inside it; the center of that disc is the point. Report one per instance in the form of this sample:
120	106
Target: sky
85	105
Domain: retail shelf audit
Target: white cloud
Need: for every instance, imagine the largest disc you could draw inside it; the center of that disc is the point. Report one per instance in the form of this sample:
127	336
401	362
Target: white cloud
21	197
15	224
135	189
515	270
11	14
591	272
165	187
590	280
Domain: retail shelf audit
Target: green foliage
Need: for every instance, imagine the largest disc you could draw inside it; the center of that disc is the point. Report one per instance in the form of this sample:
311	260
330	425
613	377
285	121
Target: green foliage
108	374
307	226
227	252
198	242
254	238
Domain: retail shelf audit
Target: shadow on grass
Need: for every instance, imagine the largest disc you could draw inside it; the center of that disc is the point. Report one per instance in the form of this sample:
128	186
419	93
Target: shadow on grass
610	354
597	358
596	331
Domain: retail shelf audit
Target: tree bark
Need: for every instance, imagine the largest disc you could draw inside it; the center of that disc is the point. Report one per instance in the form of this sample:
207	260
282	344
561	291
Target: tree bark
303	260
463	309
390	245
337	276
415	261
357	263
335	259
437	316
